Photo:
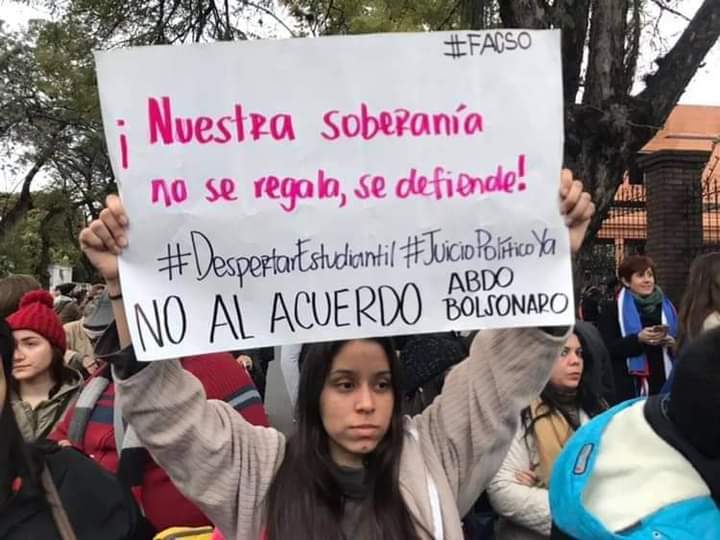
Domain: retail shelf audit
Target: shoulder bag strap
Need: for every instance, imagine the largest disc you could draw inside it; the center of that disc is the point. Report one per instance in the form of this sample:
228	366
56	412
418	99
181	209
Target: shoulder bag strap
56	507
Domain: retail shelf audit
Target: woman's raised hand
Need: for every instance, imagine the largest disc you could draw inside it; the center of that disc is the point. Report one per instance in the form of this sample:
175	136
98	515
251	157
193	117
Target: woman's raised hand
577	207
105	238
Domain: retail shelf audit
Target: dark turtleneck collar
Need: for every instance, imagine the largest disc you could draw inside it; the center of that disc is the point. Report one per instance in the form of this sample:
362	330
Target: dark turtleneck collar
351	481
565	396
567	400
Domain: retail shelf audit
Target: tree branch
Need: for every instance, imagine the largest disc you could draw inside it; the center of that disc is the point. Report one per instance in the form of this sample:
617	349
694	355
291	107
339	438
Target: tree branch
450	14
41	268
268	12
160	38
665	87
24	202
574	37
473	14
326	17
228	29
202	19
663	7
633	48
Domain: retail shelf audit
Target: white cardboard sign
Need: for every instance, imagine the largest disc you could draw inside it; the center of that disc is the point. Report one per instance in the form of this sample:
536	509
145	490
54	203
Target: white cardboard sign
314	189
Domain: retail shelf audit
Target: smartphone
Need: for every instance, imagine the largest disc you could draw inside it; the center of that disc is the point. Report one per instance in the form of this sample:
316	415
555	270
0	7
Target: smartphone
661	329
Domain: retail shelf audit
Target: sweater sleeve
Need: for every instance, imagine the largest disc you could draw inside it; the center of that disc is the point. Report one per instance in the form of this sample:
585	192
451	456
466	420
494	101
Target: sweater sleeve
526	506
212	454
471	424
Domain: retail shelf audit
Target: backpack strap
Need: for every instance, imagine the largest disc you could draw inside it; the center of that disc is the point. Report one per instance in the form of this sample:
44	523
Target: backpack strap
62	522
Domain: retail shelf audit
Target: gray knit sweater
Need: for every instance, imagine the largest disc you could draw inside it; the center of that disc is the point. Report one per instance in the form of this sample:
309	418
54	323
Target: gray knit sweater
451	451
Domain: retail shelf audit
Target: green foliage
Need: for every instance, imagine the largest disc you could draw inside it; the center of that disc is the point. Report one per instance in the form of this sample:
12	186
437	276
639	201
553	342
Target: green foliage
48	231
50	112
149	22
362	17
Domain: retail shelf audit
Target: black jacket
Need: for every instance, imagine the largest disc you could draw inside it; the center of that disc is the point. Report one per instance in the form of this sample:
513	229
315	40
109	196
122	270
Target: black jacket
621	348
597	361
97	505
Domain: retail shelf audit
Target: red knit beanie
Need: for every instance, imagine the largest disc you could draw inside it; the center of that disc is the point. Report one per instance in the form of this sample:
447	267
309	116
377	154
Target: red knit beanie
36	313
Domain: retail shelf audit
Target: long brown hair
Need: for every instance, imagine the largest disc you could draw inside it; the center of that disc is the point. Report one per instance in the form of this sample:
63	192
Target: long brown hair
12	289
305	500
701	298
16	459
59	372
588	397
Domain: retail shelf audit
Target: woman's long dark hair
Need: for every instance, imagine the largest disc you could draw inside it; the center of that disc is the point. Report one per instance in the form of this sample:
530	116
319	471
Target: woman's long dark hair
701	298
305	500
587	397
59	373
16	458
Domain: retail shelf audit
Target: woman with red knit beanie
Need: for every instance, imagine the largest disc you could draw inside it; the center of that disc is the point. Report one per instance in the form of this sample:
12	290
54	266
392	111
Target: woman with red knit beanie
42	386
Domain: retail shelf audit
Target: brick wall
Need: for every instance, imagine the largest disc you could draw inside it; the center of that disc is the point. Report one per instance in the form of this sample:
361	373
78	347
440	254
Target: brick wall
674	214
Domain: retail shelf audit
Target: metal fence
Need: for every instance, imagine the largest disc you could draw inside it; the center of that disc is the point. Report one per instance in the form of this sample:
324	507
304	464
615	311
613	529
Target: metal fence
711	202
624	231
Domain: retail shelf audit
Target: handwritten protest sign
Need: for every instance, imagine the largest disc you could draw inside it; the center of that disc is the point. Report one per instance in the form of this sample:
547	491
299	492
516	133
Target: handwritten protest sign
311	189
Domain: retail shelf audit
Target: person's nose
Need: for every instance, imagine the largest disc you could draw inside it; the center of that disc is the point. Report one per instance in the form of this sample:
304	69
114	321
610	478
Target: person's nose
365	400
573	359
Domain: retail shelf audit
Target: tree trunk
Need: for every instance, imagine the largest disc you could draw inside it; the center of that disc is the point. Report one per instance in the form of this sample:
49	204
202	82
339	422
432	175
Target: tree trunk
41	269
523	14
24	202
675	70
574	32
606	55
473	14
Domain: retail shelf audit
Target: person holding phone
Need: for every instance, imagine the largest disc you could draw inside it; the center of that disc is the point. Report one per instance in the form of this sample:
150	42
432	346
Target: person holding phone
639	329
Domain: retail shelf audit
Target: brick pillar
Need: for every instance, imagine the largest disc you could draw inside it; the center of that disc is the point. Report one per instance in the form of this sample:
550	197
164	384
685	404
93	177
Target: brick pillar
674	214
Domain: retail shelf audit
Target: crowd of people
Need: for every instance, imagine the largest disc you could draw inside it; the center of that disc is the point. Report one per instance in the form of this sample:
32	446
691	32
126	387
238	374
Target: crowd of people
609	429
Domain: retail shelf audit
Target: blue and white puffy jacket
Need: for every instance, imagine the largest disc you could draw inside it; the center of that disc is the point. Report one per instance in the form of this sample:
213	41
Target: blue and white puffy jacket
629	474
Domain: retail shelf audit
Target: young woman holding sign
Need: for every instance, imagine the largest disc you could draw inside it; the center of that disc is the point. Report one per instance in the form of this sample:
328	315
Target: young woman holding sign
355	468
